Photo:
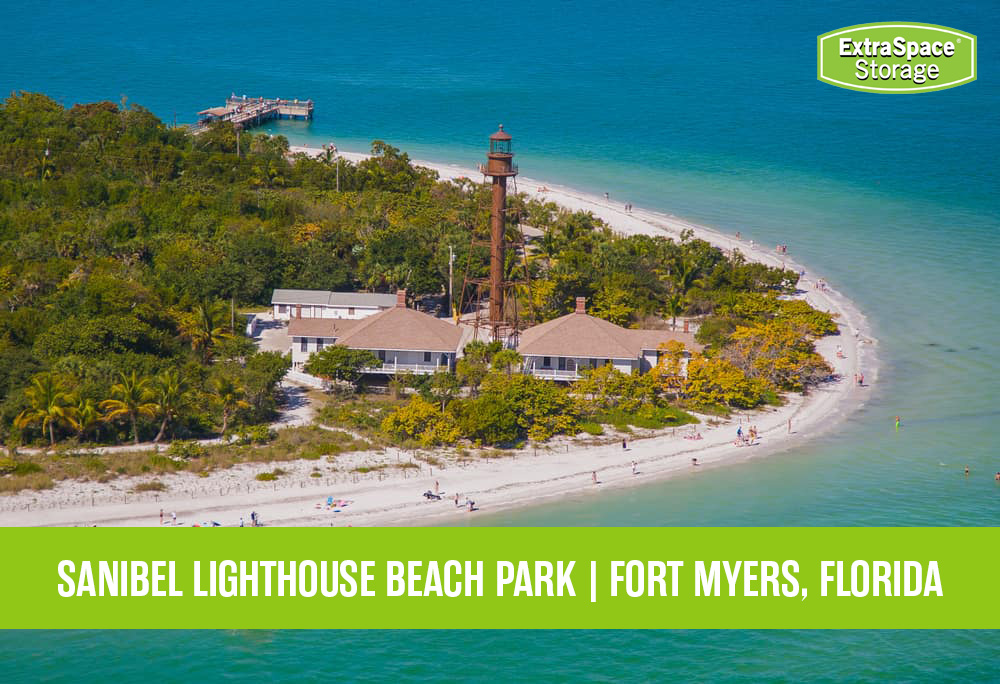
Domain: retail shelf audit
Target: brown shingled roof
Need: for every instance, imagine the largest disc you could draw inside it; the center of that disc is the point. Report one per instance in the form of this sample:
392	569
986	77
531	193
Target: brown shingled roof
321	327
652	339
582	335
403	329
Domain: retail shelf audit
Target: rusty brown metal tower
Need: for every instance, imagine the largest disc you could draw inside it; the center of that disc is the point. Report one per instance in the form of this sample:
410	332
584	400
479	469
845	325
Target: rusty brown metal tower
499	168
502	320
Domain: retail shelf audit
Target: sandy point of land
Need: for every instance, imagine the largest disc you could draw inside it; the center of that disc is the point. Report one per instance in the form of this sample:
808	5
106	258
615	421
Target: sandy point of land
527	477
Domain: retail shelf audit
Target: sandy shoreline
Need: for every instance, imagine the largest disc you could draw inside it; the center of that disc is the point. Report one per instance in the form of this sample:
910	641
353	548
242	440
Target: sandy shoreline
497	484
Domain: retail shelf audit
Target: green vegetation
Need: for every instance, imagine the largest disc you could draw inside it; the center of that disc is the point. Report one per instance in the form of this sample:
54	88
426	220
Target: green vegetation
126	247
40	471
341	364
153	486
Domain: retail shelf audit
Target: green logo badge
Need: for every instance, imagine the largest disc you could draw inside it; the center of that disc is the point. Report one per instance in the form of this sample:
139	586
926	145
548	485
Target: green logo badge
896	57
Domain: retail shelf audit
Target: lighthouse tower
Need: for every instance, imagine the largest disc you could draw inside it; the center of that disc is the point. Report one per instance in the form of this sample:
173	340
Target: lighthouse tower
499	168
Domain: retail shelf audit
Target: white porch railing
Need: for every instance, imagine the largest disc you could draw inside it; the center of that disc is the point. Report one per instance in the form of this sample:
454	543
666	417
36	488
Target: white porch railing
553	373
393	368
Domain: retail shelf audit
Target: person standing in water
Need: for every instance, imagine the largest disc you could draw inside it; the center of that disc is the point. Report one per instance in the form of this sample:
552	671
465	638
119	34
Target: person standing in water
897	423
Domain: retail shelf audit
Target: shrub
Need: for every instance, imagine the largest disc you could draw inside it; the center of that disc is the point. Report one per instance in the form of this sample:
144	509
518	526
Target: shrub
423	421
256	434
164	463
486	420
266	477
591	428
187	450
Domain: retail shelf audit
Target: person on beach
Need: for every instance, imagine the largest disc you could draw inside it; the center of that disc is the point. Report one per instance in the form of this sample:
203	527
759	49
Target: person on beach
607	197
739	433
789	426
173	518
635	468
593	476
437	488
694	461
241	521
624	444
456	499
861	379
161	516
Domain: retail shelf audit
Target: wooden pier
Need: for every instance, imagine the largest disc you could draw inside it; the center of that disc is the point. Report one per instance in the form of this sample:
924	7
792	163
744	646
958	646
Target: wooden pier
247	112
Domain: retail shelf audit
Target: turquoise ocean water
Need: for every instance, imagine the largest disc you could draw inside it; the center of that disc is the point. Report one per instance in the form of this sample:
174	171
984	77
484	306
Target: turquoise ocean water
893	199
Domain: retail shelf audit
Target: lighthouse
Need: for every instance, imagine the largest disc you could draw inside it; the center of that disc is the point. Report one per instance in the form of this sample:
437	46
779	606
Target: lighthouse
499	168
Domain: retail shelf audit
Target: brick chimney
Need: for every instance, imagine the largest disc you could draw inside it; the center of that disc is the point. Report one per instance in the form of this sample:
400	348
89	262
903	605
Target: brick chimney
581	305
400	299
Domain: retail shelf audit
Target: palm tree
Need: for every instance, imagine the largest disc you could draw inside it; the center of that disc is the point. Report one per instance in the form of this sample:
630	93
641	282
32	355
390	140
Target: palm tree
686	276
229	394
86	416
205	328
132	397
49	404
506	360
171	393
675	306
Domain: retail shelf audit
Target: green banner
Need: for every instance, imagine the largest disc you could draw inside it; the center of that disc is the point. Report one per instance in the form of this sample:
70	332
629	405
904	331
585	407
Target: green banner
244	578
896	57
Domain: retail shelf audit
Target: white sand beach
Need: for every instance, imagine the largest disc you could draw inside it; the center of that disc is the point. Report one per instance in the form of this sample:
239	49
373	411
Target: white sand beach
394	496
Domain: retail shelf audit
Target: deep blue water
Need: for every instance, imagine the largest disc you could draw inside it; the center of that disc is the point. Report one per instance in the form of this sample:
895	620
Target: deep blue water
710	111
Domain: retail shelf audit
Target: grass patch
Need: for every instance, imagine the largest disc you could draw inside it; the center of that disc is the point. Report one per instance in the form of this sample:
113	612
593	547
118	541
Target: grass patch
648	417
429	460
17	483
154	486
591	428
39	471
